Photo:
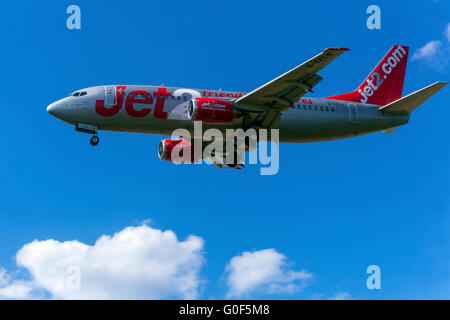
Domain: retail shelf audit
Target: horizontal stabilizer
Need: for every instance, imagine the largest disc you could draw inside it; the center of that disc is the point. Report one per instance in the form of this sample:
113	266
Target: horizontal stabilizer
410	102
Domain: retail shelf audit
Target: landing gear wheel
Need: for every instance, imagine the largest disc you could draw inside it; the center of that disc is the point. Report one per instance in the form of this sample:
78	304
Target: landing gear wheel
94	140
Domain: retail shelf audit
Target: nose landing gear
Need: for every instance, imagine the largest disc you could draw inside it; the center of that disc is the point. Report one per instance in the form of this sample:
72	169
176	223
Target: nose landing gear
88	128
94	140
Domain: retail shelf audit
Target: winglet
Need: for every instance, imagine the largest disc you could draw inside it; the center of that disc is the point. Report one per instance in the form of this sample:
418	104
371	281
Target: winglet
410	102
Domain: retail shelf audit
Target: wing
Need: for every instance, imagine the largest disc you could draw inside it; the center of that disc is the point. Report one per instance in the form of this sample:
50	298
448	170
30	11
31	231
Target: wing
281	92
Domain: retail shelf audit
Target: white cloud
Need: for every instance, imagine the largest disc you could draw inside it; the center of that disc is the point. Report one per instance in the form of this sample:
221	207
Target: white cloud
17	290
427	51
447	32
266	271
4	278
341	296
436	53
135	263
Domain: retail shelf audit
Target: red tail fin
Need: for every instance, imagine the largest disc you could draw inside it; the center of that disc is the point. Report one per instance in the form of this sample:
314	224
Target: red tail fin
385	83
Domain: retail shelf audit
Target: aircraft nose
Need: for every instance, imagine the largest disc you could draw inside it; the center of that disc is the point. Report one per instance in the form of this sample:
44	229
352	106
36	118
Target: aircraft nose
49	108
55	109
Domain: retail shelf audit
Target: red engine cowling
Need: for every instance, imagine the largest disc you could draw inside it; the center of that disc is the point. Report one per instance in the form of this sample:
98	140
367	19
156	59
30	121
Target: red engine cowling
210	110
177	150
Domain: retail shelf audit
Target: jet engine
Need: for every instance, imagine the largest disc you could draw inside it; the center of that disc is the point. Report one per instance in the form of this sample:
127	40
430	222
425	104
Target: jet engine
210	110
178	151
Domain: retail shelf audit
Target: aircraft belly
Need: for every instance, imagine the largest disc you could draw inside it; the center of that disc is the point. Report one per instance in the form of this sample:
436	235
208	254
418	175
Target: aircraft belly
307	126
302	126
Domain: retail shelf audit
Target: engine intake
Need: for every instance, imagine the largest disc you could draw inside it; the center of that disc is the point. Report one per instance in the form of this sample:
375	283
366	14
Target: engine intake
210	110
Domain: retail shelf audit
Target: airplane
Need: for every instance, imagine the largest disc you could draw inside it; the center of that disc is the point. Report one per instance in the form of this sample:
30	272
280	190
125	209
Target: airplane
376	105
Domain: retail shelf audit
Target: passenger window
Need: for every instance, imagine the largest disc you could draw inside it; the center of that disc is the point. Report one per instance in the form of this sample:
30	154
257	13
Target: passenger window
184	98
326	109
179	97
332	109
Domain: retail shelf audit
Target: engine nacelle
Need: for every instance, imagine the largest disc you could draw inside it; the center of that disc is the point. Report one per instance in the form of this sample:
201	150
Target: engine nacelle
178	151
210	110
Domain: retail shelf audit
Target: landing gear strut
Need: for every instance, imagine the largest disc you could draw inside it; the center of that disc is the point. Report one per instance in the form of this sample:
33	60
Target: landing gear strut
94	140
88	128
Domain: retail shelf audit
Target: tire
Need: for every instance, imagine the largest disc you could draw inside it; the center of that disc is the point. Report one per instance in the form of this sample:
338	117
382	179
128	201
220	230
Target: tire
94	141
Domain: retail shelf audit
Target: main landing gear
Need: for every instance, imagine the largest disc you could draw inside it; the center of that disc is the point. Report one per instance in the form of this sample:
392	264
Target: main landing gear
94	140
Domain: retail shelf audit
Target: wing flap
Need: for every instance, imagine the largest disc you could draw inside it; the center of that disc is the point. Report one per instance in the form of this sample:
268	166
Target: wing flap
301	87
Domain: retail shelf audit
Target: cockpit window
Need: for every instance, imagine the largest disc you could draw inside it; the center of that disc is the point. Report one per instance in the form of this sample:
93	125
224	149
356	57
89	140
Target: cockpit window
78	94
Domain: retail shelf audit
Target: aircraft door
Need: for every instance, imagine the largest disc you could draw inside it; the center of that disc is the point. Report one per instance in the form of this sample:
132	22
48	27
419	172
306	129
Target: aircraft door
110	96
352	113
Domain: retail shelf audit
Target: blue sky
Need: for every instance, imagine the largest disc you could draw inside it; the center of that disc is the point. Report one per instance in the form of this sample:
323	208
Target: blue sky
333	209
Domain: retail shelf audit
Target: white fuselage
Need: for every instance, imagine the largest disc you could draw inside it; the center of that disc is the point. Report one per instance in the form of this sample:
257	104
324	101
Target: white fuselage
161	110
